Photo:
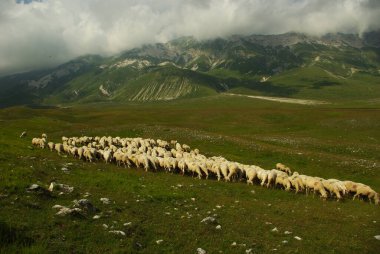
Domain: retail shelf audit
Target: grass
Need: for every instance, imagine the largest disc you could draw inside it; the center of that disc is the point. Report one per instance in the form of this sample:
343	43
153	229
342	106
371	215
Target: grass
331	141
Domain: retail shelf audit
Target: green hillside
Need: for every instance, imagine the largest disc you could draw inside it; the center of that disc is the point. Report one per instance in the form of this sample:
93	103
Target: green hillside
333	67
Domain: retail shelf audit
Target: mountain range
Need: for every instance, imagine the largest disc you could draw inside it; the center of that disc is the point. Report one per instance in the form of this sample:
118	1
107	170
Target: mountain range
331	67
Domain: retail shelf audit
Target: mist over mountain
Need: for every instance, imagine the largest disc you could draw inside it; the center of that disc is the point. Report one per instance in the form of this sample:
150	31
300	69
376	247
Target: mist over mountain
46	33
337	66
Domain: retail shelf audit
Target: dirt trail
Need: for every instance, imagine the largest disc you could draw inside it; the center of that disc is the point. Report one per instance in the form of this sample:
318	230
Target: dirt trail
284	100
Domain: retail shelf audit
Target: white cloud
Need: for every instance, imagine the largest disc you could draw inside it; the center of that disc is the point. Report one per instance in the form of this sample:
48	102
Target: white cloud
48	32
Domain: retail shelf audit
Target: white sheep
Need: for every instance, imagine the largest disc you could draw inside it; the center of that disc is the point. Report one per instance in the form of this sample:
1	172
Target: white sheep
368	192
283	168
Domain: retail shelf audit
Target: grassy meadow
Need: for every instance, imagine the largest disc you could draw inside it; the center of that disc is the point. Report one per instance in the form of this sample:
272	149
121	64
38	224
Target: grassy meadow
331	141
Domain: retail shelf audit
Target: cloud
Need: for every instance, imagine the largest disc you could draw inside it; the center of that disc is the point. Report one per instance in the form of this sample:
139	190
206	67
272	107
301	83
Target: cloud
42	33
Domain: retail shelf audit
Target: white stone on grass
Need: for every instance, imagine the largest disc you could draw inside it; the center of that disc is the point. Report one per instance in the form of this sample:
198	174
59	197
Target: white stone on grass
201	251
117	232
105	201
208	219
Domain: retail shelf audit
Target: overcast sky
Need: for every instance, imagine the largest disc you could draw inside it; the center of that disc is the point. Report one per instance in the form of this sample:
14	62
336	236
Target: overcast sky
37	34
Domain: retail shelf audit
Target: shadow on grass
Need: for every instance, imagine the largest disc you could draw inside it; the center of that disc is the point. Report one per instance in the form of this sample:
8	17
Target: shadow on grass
10	235
324	83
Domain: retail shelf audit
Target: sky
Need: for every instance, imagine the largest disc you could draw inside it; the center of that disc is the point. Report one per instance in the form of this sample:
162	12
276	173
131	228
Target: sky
37	34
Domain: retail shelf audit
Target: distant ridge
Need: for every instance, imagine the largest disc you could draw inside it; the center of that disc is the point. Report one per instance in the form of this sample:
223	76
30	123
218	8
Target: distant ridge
334	66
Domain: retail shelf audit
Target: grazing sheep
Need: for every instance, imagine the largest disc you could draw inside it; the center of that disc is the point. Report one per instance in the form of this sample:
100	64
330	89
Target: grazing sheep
283	168
296	182
173	157
233	171
251	174
194	168
367	192
284	181
186	148
107	155
272	175
315	185
58	147
51	146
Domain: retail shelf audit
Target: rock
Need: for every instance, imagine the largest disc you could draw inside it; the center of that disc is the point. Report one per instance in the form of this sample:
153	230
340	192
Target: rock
284	242
65	170
219	227
287	232
105	226
23	134
59	186
57	206
201	251
208	219
234	244
274	230
85	204
127	224
298	238
159	241
105	201
34	187
249	251
117	232
218	206
377	237
96	217
253	192
68	211
192	199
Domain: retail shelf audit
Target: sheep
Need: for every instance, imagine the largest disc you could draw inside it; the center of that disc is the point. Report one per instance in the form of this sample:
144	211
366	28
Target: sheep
44	136
262	175
107	155
272	175
80	152
233	170
251	174
178	147
182	165
150	154
41	142
297	183
202	165
368	192
215	168
186	148
315	185
284	181
283	168
352	186
224	171
332	186
194	168
51	146
58	147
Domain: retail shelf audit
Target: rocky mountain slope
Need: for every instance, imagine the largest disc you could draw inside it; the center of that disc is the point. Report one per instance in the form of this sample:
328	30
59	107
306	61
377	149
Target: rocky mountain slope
334	66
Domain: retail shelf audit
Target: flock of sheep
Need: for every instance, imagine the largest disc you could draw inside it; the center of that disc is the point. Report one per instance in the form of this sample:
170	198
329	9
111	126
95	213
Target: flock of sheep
171	156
